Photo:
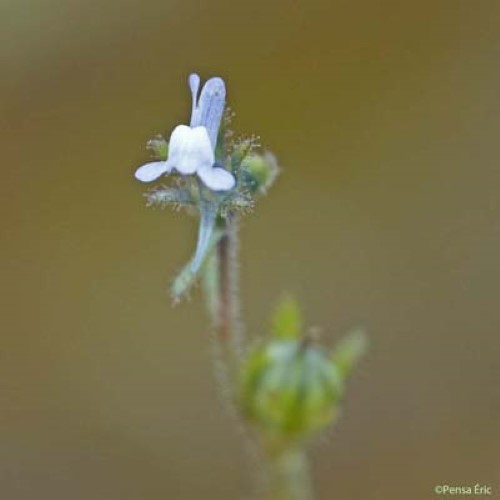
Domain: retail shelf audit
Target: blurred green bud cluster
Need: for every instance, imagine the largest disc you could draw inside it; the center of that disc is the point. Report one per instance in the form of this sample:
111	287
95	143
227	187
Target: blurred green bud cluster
290	387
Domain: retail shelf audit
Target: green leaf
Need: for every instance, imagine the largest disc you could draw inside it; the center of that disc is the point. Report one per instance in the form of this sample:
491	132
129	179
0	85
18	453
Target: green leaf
349	351
287	319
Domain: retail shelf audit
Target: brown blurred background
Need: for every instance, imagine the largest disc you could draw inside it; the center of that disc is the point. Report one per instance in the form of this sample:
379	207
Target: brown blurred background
385	116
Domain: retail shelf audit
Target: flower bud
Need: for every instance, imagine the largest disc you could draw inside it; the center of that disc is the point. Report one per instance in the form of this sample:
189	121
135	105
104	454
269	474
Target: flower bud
289	389
260	172
158	147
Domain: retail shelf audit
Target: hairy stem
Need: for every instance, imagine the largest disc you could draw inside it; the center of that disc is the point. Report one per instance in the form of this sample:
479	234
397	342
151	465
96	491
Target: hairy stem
221	291
223	321
289	476
230	328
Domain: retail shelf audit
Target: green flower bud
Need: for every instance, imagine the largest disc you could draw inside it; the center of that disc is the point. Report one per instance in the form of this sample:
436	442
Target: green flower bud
260	171
158	147
289	390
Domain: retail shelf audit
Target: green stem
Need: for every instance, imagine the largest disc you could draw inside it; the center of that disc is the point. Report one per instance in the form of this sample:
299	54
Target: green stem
221	292
288	469
289	476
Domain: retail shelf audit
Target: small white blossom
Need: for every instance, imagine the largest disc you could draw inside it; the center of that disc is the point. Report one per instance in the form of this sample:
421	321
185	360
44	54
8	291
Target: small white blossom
192	148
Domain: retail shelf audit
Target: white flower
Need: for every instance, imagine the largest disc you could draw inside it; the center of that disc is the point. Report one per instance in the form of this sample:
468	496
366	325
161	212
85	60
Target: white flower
192	148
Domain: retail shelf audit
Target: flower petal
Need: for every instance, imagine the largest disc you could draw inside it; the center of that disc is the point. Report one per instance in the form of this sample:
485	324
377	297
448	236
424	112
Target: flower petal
210	107
189	149
217	178
194	85
151	171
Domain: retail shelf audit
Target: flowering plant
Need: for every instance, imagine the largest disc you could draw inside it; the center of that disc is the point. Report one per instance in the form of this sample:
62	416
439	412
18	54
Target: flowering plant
286	388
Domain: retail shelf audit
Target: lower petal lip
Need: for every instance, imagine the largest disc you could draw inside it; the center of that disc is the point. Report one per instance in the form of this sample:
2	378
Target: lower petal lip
151	171
217	178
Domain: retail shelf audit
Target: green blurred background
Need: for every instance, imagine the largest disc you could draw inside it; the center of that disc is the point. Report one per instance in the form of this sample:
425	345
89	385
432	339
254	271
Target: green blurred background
385	118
